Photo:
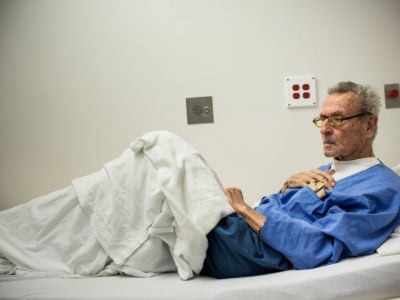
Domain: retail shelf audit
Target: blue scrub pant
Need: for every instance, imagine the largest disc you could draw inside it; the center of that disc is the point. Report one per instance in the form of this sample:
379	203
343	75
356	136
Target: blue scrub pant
235	250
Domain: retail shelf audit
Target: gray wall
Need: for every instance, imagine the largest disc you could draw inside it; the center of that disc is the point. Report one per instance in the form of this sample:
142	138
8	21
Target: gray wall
80	79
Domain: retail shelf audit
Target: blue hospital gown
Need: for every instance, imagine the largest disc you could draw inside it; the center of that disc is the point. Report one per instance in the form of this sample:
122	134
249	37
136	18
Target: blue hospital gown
303	231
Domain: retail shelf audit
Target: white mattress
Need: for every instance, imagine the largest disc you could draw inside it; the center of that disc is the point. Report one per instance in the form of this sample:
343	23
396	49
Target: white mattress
368	277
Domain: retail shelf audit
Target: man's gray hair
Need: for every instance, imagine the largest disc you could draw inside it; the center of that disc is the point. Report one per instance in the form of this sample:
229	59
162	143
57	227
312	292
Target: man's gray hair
370	99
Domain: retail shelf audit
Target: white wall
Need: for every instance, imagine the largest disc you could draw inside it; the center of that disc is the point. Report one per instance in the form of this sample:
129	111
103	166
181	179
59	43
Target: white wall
80	79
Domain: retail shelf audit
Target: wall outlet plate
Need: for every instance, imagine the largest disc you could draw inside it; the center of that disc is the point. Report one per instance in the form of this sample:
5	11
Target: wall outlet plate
301	91
199	110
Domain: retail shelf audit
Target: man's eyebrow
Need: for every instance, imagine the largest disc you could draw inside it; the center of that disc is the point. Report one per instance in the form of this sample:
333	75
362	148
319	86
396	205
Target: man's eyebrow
335	113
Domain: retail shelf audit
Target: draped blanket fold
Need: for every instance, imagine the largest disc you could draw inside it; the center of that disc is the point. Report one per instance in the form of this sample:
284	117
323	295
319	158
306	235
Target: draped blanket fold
159	187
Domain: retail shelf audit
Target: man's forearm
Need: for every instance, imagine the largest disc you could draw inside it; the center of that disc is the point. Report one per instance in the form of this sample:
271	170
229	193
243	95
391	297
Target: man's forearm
253	218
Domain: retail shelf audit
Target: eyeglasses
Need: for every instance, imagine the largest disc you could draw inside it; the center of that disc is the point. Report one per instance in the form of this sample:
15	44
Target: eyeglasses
335	121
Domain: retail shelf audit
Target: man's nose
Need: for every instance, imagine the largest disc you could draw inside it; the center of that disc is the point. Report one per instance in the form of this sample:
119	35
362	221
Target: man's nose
326	127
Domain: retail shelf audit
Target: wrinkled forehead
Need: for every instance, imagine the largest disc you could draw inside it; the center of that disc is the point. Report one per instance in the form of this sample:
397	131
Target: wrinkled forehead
341	104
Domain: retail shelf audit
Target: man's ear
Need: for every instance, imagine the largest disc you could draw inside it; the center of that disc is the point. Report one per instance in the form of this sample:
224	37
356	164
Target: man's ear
372	123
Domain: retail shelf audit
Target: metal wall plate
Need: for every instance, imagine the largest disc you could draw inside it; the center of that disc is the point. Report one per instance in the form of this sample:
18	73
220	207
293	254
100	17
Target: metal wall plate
199	110
392	97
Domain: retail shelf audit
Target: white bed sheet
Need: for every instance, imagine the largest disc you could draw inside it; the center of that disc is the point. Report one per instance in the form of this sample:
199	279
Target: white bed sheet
368	277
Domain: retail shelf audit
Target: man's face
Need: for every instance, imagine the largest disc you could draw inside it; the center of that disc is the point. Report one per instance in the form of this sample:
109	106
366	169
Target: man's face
353	138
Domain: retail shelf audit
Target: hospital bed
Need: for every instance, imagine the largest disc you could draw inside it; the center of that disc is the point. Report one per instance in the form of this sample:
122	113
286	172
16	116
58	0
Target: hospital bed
375	276
368	277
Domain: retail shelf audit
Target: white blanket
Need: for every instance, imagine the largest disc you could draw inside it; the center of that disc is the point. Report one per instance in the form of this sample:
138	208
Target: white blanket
159	187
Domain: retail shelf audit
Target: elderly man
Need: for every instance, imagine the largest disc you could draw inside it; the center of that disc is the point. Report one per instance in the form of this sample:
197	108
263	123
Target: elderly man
160	208
346	208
